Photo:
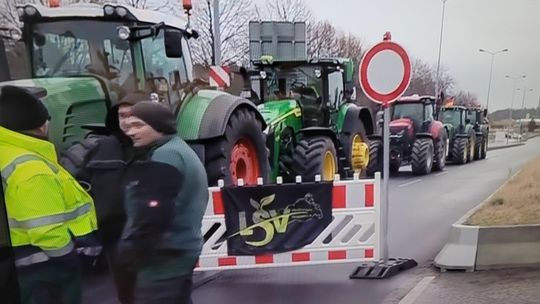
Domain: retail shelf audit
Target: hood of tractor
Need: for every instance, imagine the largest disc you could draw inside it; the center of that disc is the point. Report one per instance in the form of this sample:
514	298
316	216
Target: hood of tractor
398	125
71	101
275	111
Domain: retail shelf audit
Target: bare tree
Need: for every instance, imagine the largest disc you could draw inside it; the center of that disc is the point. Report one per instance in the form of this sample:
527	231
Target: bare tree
284	10
423	79
467	99
234	16
321	40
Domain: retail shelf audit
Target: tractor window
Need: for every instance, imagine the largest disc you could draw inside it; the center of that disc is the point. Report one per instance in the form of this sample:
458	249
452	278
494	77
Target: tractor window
428	112
335	88
451	117
471	115
412	111
157	64
69	48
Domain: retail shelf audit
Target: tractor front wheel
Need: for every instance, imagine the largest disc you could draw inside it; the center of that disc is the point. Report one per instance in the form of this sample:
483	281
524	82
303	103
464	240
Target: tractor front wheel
315	156
459	150
240	153
422	156
356	149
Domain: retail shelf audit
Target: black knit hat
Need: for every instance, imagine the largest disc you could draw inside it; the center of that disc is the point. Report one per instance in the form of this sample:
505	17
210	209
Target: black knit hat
156	115
20	110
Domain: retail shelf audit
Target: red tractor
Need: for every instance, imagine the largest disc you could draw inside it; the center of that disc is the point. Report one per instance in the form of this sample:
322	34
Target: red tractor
416	138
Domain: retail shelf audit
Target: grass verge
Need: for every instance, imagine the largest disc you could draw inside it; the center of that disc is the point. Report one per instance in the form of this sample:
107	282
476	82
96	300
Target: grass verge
515	203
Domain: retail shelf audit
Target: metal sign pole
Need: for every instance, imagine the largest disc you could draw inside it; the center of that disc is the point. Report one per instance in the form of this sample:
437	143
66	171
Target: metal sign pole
386	175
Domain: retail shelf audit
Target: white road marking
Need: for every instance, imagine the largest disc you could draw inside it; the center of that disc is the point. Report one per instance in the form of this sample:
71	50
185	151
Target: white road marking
442	173
410	183
416	291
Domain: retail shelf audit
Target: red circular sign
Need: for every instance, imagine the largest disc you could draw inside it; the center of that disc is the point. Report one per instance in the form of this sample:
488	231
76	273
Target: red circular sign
367	87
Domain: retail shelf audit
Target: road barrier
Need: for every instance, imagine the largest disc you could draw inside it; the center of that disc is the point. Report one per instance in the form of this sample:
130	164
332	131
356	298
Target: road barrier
352	236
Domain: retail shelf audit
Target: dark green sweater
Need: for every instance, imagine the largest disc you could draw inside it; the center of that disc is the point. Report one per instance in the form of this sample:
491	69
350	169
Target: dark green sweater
181	246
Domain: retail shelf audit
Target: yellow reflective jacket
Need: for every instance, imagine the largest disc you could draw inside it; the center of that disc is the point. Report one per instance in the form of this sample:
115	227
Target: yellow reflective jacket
45	204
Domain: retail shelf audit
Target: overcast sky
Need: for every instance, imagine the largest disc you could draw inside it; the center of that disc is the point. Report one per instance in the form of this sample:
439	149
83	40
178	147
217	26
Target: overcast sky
469	25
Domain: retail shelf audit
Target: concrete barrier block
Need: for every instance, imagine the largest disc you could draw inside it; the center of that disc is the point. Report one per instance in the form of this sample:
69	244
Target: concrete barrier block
460	251
508	246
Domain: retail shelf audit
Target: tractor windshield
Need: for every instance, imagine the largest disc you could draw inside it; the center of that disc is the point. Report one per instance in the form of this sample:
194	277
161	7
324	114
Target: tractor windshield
472	116
288	82
452	117
414	111
80	47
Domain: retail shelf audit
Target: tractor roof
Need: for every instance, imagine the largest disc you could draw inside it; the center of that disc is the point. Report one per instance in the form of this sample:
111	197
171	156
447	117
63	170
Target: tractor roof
311	61
97	11
416	98
454	108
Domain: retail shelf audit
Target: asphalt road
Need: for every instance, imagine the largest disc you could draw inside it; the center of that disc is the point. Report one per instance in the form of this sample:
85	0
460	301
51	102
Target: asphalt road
422	209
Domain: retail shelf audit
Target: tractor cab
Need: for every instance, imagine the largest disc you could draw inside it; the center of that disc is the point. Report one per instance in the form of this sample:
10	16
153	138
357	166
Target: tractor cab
478	117
317	86
457	117
412	112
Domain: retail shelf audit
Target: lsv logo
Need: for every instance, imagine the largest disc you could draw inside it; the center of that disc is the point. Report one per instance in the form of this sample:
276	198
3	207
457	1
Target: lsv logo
275	221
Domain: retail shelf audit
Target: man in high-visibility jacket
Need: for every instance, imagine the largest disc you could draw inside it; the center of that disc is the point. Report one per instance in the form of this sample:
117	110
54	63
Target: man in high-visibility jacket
49	213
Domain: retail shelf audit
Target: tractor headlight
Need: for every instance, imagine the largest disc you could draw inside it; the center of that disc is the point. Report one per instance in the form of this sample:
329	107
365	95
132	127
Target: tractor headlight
108	10
121	11
123	32
20	12
262	74
30	11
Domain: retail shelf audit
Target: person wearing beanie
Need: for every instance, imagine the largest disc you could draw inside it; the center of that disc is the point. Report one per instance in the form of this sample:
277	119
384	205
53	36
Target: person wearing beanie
165	266
49	213
101	163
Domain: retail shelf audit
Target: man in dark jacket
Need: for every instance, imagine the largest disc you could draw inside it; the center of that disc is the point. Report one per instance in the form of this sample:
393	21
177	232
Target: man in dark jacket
165	269
104	172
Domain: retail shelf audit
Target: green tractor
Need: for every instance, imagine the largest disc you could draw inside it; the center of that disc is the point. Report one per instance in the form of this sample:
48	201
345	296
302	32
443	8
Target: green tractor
314	127
85	58
461	132
478	119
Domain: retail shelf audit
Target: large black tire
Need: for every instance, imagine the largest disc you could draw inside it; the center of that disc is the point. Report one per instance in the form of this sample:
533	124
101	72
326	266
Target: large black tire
309	157
422	156
243	125
478	144
483	149
441	147
472	148
459	150
375	157
347	141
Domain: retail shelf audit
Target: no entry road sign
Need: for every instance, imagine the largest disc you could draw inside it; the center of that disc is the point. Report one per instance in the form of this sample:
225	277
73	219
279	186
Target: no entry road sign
385	71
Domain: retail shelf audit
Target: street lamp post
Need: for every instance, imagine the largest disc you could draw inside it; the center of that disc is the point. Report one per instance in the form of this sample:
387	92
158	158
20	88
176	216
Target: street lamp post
437	82
491	69
515	79
523	107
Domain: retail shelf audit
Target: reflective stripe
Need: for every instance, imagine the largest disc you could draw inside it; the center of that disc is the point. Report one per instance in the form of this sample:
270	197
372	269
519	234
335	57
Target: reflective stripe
31	259
50	219
54	253
40	257
10	168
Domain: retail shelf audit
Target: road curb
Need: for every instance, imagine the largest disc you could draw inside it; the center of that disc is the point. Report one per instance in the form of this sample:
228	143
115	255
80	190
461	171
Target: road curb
473	248
505	146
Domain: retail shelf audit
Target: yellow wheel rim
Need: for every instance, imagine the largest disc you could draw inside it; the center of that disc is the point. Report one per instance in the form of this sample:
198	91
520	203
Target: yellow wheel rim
329	166
359	154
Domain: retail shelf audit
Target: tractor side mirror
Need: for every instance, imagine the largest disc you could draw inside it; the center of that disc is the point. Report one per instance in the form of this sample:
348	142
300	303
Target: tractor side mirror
173	43
485	112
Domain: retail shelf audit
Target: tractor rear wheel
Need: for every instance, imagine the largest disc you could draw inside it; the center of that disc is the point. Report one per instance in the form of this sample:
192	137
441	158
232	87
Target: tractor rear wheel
315	156
440	152
240	153
459	150
472	148
483	148
422	156
375	157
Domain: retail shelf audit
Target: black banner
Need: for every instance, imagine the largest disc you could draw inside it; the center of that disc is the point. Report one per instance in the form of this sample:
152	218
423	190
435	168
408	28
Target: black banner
275	218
